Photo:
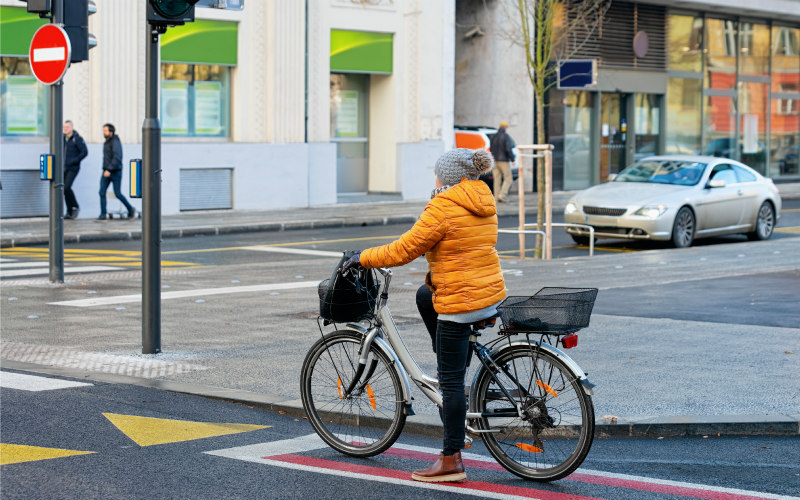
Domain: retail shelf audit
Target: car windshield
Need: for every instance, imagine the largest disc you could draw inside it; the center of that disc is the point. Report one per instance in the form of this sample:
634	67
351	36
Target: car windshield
679	172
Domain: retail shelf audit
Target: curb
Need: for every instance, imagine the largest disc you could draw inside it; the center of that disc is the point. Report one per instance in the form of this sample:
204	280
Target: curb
430	426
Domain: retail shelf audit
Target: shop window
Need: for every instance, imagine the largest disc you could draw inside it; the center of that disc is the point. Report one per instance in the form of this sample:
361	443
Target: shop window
24	99
684	101
685	42
195	100
720	54
787	41
754	53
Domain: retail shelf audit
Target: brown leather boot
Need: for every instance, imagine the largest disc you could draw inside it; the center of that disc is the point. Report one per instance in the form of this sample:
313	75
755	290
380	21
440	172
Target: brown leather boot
446	469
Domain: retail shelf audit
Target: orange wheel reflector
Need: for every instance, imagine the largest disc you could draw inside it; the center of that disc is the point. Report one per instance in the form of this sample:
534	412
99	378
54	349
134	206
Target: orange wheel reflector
371	397
549	390
339	386
529	448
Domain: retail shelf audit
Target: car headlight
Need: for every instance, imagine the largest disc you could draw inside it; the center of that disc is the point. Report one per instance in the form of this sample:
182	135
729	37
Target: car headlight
651	212
570	208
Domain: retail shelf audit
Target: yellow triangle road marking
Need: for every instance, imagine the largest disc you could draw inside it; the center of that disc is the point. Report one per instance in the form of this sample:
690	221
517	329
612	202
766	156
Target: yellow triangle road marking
16	453
147	431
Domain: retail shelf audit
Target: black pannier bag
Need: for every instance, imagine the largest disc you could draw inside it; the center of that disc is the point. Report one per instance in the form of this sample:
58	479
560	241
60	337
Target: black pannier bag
348	298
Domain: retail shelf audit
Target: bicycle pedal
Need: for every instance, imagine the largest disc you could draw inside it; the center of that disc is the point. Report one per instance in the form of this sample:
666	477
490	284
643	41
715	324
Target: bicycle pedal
467	442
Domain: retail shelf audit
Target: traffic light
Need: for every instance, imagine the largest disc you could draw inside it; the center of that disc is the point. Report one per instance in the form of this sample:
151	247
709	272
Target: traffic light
76	24
41	7
163	13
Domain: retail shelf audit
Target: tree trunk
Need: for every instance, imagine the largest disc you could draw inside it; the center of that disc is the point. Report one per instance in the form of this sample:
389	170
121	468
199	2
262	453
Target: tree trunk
540	139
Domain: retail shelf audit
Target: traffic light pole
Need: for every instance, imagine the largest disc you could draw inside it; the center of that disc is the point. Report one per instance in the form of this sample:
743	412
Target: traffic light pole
56	250
151	202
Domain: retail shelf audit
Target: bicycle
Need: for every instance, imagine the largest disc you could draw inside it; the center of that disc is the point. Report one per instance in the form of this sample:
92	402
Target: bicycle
529	402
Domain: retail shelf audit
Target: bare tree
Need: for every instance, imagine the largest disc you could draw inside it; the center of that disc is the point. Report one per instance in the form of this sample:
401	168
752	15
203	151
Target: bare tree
550	30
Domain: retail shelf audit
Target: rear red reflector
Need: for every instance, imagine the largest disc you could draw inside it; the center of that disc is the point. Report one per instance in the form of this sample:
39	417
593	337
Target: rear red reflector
569	341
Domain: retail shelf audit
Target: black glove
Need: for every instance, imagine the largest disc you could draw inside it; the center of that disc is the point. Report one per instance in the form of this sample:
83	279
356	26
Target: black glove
353	263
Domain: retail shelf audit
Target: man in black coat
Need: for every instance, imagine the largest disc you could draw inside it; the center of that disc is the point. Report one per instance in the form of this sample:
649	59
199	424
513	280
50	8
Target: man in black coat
74	151
502	147
112	171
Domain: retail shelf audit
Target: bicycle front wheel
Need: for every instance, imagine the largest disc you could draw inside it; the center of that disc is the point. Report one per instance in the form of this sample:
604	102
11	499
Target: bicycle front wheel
365	422
554	435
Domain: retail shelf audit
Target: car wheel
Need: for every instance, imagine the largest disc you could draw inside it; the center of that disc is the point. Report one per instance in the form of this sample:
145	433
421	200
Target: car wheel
683	228
765	222
580	240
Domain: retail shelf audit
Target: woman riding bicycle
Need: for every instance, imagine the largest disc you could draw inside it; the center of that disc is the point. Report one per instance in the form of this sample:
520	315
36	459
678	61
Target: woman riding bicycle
457	233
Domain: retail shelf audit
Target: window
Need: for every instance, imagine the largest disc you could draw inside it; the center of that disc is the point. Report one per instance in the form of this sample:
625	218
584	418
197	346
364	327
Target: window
25	100
195	100
725	173
744	175
786	40
789	106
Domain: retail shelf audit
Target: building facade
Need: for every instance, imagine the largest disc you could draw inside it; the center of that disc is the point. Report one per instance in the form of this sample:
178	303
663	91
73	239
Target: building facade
282	104
691	77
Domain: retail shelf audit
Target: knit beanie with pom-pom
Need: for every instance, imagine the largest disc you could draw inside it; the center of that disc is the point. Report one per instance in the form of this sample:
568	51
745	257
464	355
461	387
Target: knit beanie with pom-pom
459	163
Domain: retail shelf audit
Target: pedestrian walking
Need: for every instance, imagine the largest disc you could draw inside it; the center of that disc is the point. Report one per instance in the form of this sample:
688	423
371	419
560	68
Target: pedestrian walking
502	147
112	171
457	233
74	151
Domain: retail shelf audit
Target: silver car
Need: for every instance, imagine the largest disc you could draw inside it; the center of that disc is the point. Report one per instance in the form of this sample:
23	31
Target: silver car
678	198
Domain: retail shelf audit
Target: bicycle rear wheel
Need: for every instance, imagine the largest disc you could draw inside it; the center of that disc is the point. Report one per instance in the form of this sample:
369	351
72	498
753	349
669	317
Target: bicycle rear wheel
555	435
368	421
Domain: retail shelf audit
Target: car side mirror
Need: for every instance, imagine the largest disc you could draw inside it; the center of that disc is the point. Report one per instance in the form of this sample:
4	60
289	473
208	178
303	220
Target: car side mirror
716	183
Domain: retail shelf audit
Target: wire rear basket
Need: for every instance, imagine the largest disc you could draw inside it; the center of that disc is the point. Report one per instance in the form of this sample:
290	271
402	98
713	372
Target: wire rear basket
551	310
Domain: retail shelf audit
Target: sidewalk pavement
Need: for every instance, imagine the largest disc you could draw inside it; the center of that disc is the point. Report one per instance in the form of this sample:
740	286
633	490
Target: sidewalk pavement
708	401
35	230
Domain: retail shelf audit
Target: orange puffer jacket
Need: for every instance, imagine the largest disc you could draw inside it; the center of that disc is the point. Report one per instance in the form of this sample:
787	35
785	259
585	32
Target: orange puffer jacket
457	232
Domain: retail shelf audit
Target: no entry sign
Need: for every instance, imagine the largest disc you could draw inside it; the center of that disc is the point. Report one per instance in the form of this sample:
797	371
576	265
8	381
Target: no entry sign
49	54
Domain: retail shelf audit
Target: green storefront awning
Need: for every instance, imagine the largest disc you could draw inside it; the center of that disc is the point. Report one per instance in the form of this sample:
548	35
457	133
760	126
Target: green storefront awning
16	30
361	52
201	42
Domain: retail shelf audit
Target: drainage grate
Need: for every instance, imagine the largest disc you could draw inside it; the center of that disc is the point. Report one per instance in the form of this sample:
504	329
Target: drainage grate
132	366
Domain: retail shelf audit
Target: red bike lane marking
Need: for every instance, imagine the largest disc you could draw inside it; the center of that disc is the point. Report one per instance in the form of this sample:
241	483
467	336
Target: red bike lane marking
633	484
370	472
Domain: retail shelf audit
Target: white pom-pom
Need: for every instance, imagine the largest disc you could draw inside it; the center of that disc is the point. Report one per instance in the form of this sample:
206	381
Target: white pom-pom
482	160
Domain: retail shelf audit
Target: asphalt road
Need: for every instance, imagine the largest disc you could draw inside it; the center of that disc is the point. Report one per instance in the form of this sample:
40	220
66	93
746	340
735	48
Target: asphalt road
146	443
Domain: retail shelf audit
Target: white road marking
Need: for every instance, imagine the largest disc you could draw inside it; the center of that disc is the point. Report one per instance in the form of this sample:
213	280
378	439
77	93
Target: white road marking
50	54
257	452
295	251
6	259
43	272
17	265
9	380
124	299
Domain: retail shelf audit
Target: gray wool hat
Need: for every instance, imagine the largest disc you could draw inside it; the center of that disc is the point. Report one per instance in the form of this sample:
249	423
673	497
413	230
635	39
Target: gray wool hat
458	163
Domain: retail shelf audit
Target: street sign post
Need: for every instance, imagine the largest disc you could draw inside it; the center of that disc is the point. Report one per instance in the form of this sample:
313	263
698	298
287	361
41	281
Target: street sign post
50	54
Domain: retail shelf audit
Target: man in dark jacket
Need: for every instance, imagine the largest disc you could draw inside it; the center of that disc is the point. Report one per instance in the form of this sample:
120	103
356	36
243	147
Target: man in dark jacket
74	151
502	146
112	171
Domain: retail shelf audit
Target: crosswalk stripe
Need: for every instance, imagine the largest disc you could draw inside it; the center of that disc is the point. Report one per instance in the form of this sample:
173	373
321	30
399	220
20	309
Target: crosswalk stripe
33	383
294	251
43	272
17	265
201	292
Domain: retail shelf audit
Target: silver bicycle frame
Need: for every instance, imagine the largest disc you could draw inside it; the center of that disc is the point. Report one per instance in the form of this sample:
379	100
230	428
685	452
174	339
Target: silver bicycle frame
407	366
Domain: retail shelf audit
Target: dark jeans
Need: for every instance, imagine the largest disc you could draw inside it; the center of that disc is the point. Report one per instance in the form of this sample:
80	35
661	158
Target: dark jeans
69	196
451	345
116	179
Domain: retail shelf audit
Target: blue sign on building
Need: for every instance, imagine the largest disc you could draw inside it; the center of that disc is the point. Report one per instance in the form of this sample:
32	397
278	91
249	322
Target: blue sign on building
577	74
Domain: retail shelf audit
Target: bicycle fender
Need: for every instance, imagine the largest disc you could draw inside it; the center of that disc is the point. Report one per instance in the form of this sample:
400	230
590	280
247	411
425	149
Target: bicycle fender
383	346
572	366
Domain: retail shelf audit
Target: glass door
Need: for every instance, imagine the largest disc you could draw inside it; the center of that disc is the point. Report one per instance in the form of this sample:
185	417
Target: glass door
613	134
349	112
647	126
